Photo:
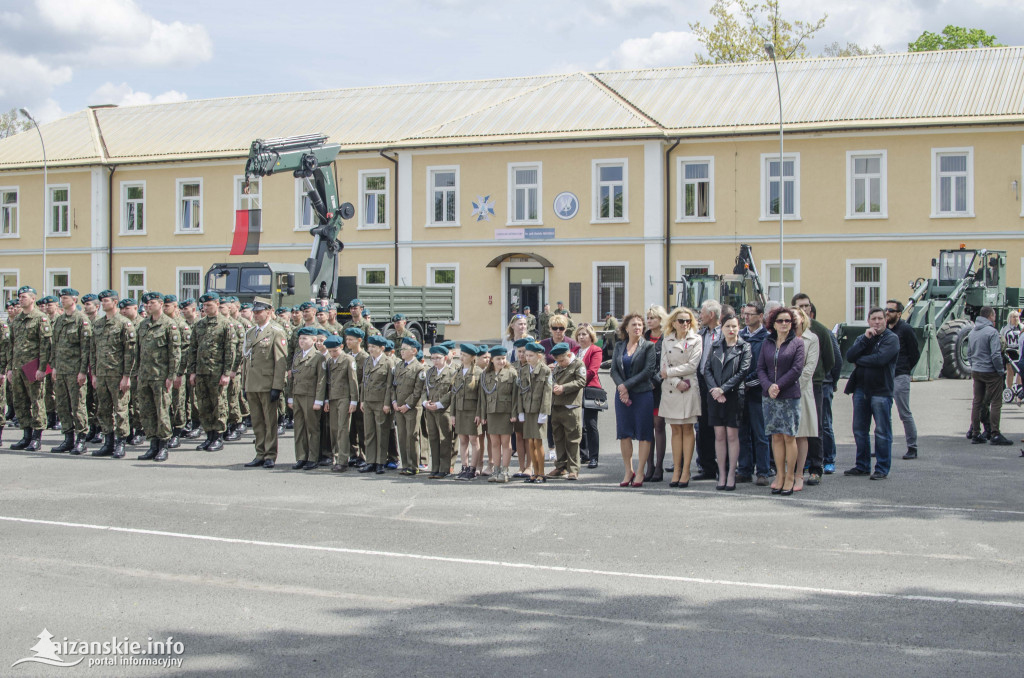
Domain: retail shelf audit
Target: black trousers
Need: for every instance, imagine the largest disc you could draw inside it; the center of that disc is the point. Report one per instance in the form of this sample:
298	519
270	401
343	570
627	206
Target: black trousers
815	450
591	441
705	433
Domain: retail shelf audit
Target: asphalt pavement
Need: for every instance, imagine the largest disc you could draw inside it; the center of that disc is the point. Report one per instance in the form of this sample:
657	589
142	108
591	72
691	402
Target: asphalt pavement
293	573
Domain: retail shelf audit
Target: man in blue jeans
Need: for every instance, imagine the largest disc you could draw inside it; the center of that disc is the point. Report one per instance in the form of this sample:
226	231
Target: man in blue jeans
828	389
753	441
874	357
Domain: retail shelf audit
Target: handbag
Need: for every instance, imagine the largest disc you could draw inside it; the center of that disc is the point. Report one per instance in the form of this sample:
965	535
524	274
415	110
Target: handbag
595	398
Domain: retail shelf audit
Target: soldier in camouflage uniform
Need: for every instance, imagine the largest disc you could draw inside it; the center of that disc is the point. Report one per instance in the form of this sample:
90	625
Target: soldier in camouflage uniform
12	312
398	331
112	360
192	427
355	307
28	358
5	345
242	313
129	308
283	320
159	355
91	308
72	333
238	332
51	308
211	359
179	413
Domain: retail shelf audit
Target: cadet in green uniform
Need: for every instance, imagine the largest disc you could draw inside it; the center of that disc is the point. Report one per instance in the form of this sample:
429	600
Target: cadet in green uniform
28	358
437	405
72	333
265	364
407	379
91	307
465	402
342	399
398	331
5	347
497	401
533	405
356	440
307	385
179	414
375	404
568	377
129	308
112	360
158	355
355	307
211	358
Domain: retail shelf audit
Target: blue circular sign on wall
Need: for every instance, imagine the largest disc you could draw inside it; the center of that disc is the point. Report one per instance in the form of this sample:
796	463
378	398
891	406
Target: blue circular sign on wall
566	205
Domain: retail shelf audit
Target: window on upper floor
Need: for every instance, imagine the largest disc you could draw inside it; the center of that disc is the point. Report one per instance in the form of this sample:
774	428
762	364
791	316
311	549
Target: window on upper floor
525	195
780	186
443	196
611	200
133	208
696	198
189	213
866	185
59	210
953	182
374	198
8	212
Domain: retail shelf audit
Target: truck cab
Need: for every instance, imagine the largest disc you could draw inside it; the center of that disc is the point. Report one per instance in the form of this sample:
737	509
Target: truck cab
283	284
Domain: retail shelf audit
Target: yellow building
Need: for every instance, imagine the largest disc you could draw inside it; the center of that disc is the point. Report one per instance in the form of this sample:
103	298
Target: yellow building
595	189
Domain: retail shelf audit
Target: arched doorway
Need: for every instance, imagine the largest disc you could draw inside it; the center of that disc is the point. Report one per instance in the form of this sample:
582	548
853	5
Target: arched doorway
524	277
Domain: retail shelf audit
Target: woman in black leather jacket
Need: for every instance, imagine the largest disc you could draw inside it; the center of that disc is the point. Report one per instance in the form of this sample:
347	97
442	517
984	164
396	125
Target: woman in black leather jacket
724	371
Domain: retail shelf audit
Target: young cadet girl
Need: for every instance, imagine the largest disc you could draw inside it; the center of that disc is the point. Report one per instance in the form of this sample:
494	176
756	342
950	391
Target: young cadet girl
533	405
483	361
497	400
518	442
465	401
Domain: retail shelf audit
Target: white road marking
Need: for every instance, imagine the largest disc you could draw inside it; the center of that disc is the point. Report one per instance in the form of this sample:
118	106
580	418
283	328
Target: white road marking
530	566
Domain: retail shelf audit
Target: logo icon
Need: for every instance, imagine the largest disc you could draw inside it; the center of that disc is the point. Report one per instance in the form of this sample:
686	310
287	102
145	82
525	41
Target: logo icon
566	205
46	652
483	208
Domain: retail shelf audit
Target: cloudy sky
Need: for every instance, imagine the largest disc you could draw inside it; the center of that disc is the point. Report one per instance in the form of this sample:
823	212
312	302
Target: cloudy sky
59	56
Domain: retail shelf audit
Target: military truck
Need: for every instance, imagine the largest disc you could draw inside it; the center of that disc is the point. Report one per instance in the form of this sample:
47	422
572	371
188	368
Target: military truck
740	287
425	308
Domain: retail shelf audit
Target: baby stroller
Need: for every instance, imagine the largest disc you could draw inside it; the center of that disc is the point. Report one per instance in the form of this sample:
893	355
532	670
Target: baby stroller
1013	395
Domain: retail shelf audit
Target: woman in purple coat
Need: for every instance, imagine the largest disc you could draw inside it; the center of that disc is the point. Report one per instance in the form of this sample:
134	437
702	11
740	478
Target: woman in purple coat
778	369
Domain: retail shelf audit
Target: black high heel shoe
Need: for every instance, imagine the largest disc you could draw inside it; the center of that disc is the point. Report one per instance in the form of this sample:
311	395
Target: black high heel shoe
776	490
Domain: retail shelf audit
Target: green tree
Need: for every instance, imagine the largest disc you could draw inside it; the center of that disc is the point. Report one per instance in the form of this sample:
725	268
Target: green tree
741	37
834	49
11	123
953	37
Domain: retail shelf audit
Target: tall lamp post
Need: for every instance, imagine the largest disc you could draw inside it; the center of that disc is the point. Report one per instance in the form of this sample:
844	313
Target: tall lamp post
45	184
769	49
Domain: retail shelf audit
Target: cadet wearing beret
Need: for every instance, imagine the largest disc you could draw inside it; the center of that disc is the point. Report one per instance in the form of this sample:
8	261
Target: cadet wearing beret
112	360
354	347
465	402
497	401
355	307
342	400
238	407
28	357
179	413
437	401
264	366
569	376
129	308
72	333
407	381
158	354
375	404
211	359
307	388
533	405
5	347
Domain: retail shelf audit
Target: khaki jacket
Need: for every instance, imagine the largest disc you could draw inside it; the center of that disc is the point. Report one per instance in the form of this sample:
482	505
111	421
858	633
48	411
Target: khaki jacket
264	361
572	378
342	387
498	391
534	393
376	385
309	375
466	389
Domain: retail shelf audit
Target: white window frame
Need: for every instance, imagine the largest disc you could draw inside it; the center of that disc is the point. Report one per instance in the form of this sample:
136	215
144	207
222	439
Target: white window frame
681	186
766	158
693	263
17	210
883	180
17	284
430	283
300	200
178	270
1020	188
595	168
178	197
512	167
937	154
363	174
125	185
364	268
50	233
431	171
596	292
766	265
51	287
850	286
124	281
239	181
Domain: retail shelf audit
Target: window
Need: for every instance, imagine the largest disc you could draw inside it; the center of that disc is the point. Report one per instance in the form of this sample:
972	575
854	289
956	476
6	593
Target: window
190	206
59	210
610	284
866	186
304	219
374	275
445	275
190	283
953	182
57	279
443	196
524	199
696	189
610	197
8	212
133	283
689	268
373	196
771	176
133	208
253	200
8	286
865	284
781	288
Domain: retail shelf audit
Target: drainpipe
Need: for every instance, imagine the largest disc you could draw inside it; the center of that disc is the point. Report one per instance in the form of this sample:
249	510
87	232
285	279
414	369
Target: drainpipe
395	208
110	227
668	221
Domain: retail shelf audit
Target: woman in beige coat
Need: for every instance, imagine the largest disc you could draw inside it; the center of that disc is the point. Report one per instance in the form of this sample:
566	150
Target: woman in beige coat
680	394
808	416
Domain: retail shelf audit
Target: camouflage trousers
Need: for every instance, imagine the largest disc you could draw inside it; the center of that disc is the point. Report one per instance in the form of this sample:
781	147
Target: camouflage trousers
212	402
49	395
134	418
112	406
28	401
3	403
234	396
179	413
154	401
90	404
70	399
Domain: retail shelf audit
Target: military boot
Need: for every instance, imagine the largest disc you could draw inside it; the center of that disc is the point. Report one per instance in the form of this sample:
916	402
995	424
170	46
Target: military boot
1	436
173	443
118	452
52	422
69	442
26	438
232	434
289	422
280	425
216	444
194	432
154	449
161	454
79	446
36	442
95	435
108	446
205	445
136	437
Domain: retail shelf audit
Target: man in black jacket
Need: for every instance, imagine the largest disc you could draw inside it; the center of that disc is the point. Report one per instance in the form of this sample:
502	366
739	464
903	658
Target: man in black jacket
826	360
905	362
754	451
828	389
874	356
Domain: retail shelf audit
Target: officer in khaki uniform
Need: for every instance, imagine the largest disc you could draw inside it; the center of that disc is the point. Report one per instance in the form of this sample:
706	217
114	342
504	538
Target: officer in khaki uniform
342	399
356	438
568	376
307	388
158	354
179	413
211	359
407	382
72	333
112	360
28	358
264	366
355	307
375	404
437	405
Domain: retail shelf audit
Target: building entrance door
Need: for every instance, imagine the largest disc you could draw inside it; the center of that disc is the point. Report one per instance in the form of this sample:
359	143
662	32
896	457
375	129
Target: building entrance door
525	288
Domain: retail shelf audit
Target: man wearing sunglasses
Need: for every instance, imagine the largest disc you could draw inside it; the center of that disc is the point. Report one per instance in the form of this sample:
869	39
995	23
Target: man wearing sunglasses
909	355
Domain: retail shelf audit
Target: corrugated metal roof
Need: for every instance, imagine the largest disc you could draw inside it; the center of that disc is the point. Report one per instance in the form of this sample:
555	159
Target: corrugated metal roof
980	85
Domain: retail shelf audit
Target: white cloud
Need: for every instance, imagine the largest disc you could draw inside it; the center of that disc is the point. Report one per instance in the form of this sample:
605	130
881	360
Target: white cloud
27	82
124	95
670	48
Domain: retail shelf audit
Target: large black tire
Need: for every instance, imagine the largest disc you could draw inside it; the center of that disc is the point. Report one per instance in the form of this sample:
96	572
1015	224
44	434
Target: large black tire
952	339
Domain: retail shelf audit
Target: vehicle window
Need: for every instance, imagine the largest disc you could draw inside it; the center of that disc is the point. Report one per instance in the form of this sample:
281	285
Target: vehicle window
222	280
254	281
